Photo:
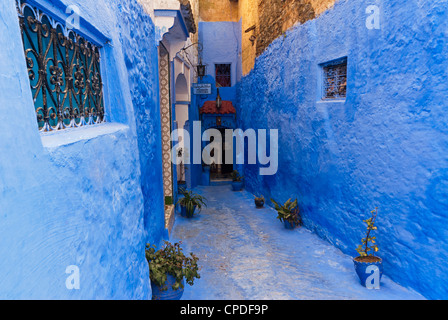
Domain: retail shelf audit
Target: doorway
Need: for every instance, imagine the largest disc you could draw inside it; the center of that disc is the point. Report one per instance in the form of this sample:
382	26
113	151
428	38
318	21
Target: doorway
222	171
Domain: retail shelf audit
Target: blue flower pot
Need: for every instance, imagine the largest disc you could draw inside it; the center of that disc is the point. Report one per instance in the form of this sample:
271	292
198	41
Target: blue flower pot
169	294
237	185
259	204
363	272
289	225
184	213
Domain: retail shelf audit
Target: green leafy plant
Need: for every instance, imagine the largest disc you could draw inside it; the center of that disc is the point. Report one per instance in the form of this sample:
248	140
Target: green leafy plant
368	246
171	260
288	212
236	177
190	200
260	198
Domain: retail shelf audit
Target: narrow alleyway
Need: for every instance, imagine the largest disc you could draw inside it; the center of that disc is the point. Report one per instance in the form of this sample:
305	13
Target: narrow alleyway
245	253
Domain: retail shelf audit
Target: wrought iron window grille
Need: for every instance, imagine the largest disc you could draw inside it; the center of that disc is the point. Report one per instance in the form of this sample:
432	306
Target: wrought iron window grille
64	72
223	75
335	80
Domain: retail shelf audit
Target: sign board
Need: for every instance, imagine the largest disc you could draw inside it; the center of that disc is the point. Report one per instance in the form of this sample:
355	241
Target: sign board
202	88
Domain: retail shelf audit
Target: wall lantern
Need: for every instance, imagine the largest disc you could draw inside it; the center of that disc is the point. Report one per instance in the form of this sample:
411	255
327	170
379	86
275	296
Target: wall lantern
200	68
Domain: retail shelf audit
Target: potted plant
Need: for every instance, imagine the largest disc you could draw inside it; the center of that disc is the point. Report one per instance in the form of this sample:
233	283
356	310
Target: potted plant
288	213
366	262
190	202
259	202
237	181
169	269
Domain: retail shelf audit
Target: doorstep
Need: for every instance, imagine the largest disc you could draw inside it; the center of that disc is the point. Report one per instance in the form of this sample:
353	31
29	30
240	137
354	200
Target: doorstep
220	182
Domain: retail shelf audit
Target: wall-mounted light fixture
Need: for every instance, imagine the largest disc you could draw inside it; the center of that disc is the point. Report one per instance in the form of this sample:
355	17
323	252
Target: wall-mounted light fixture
201	69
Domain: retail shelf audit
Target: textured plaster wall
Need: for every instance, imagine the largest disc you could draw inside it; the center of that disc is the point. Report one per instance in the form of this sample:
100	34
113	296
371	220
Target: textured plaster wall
384	146
218	10
137	34
277	16
84	198
249	17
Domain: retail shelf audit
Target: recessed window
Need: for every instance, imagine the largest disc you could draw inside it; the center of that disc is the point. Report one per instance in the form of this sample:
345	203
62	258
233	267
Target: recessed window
64	72
335	79
223	75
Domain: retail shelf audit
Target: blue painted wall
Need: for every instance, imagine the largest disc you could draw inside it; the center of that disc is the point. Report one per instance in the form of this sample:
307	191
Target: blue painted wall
194	175
90	198
385	145
221	44
141	58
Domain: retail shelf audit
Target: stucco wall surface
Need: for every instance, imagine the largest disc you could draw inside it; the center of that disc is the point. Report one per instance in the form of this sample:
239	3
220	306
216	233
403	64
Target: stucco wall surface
384	146
75	198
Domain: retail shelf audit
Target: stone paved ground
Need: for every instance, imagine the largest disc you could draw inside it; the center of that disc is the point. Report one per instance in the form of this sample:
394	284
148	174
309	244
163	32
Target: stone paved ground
245	253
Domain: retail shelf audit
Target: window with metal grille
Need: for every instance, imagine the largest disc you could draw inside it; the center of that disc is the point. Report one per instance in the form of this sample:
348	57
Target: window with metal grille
335	79
64	72
223	75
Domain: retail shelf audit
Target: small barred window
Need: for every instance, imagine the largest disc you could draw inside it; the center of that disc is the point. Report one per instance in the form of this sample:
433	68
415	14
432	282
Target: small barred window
64	72
223	75
335	79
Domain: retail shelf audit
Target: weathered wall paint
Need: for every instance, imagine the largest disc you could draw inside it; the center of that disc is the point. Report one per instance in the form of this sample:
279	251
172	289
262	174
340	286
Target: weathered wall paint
384	146
81	203
248	10
218	10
